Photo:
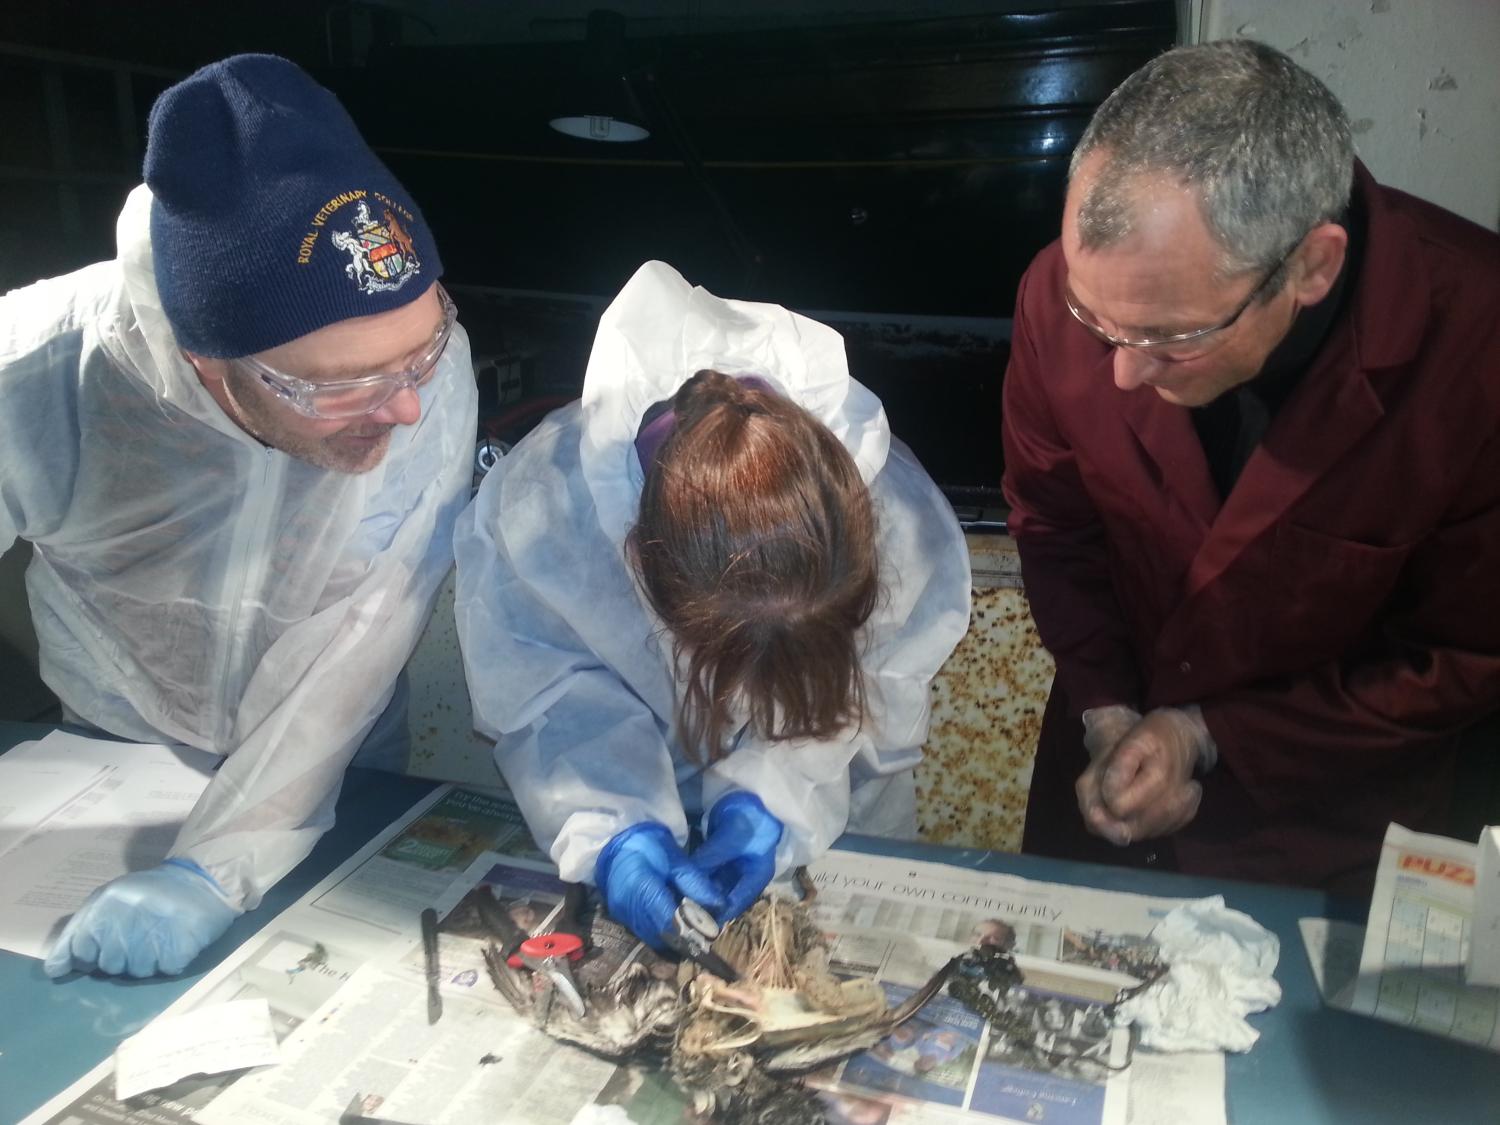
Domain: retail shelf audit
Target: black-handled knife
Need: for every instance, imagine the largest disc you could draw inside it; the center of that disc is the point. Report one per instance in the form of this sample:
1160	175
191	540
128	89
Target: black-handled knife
434	970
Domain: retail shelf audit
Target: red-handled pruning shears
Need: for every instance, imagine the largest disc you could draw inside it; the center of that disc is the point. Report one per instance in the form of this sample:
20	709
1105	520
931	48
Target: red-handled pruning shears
549	953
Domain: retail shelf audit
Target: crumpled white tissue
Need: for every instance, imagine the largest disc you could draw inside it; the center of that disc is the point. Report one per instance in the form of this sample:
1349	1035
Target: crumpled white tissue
1221	963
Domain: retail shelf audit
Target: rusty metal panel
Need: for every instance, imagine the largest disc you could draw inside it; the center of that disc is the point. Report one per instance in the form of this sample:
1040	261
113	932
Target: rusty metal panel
987	705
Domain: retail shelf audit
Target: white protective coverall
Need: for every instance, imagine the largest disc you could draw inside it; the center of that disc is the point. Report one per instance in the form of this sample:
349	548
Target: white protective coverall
191	585
571	671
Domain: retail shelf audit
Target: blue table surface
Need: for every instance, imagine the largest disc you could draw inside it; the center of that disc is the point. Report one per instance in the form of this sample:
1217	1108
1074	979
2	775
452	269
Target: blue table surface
1311	1064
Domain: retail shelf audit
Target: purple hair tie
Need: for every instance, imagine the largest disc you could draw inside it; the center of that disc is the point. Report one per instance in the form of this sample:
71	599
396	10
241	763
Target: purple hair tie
656	427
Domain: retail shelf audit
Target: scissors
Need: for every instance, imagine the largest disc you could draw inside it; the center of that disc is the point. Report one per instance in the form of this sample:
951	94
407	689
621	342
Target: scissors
694	938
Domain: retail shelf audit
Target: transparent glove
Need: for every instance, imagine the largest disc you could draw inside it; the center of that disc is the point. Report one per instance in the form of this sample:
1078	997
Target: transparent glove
1103	727
739	850
144	923
1144	787
644	875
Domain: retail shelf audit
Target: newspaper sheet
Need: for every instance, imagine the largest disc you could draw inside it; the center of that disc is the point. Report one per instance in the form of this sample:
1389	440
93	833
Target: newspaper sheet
306	954
891	919
371	1041
1411	970
344	974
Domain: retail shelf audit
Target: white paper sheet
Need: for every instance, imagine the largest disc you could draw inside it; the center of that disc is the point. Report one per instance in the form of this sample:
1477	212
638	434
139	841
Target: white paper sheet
1171	1089
1333	950
33	787
1484	947
295	963
124	812
211	1040
1411	971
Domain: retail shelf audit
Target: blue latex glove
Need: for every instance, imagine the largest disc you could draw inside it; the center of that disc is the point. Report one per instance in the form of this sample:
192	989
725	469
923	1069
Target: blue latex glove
644	875
144	923
739	850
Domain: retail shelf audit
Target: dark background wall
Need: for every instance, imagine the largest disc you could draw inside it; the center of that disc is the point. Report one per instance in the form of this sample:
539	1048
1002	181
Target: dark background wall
891	169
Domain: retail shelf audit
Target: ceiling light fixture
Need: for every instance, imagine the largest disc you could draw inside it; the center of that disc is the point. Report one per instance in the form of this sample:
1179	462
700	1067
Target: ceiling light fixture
597	127
604	90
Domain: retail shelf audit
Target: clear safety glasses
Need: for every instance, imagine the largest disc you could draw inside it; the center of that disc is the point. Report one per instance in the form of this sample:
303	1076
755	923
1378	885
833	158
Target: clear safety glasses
349	398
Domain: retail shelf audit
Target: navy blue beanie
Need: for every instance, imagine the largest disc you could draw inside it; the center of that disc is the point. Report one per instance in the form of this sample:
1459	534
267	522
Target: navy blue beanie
271	217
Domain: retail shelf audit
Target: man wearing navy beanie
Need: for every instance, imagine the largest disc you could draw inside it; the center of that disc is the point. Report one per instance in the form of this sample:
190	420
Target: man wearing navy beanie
238	450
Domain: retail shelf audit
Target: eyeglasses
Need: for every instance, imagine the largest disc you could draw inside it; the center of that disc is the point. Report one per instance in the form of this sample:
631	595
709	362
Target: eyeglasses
1181	346
350	398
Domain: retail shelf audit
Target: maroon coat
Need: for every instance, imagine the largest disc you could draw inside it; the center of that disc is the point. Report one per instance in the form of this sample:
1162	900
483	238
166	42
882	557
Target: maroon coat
1337	618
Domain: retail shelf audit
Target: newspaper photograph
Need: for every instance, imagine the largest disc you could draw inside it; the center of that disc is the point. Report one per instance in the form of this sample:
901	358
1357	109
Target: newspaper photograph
421	862
1055	1056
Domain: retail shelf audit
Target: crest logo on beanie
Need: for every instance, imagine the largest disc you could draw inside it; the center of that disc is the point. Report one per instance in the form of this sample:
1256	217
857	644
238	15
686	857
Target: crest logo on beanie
382	257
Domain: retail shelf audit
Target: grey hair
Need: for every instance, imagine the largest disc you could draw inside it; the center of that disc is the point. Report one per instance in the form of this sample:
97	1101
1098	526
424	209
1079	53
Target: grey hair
1264	144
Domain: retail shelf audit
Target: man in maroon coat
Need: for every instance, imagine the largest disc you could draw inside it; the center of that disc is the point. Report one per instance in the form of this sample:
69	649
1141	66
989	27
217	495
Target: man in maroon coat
1252	442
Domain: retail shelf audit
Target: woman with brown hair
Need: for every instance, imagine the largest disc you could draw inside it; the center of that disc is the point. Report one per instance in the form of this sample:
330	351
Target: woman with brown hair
715	583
